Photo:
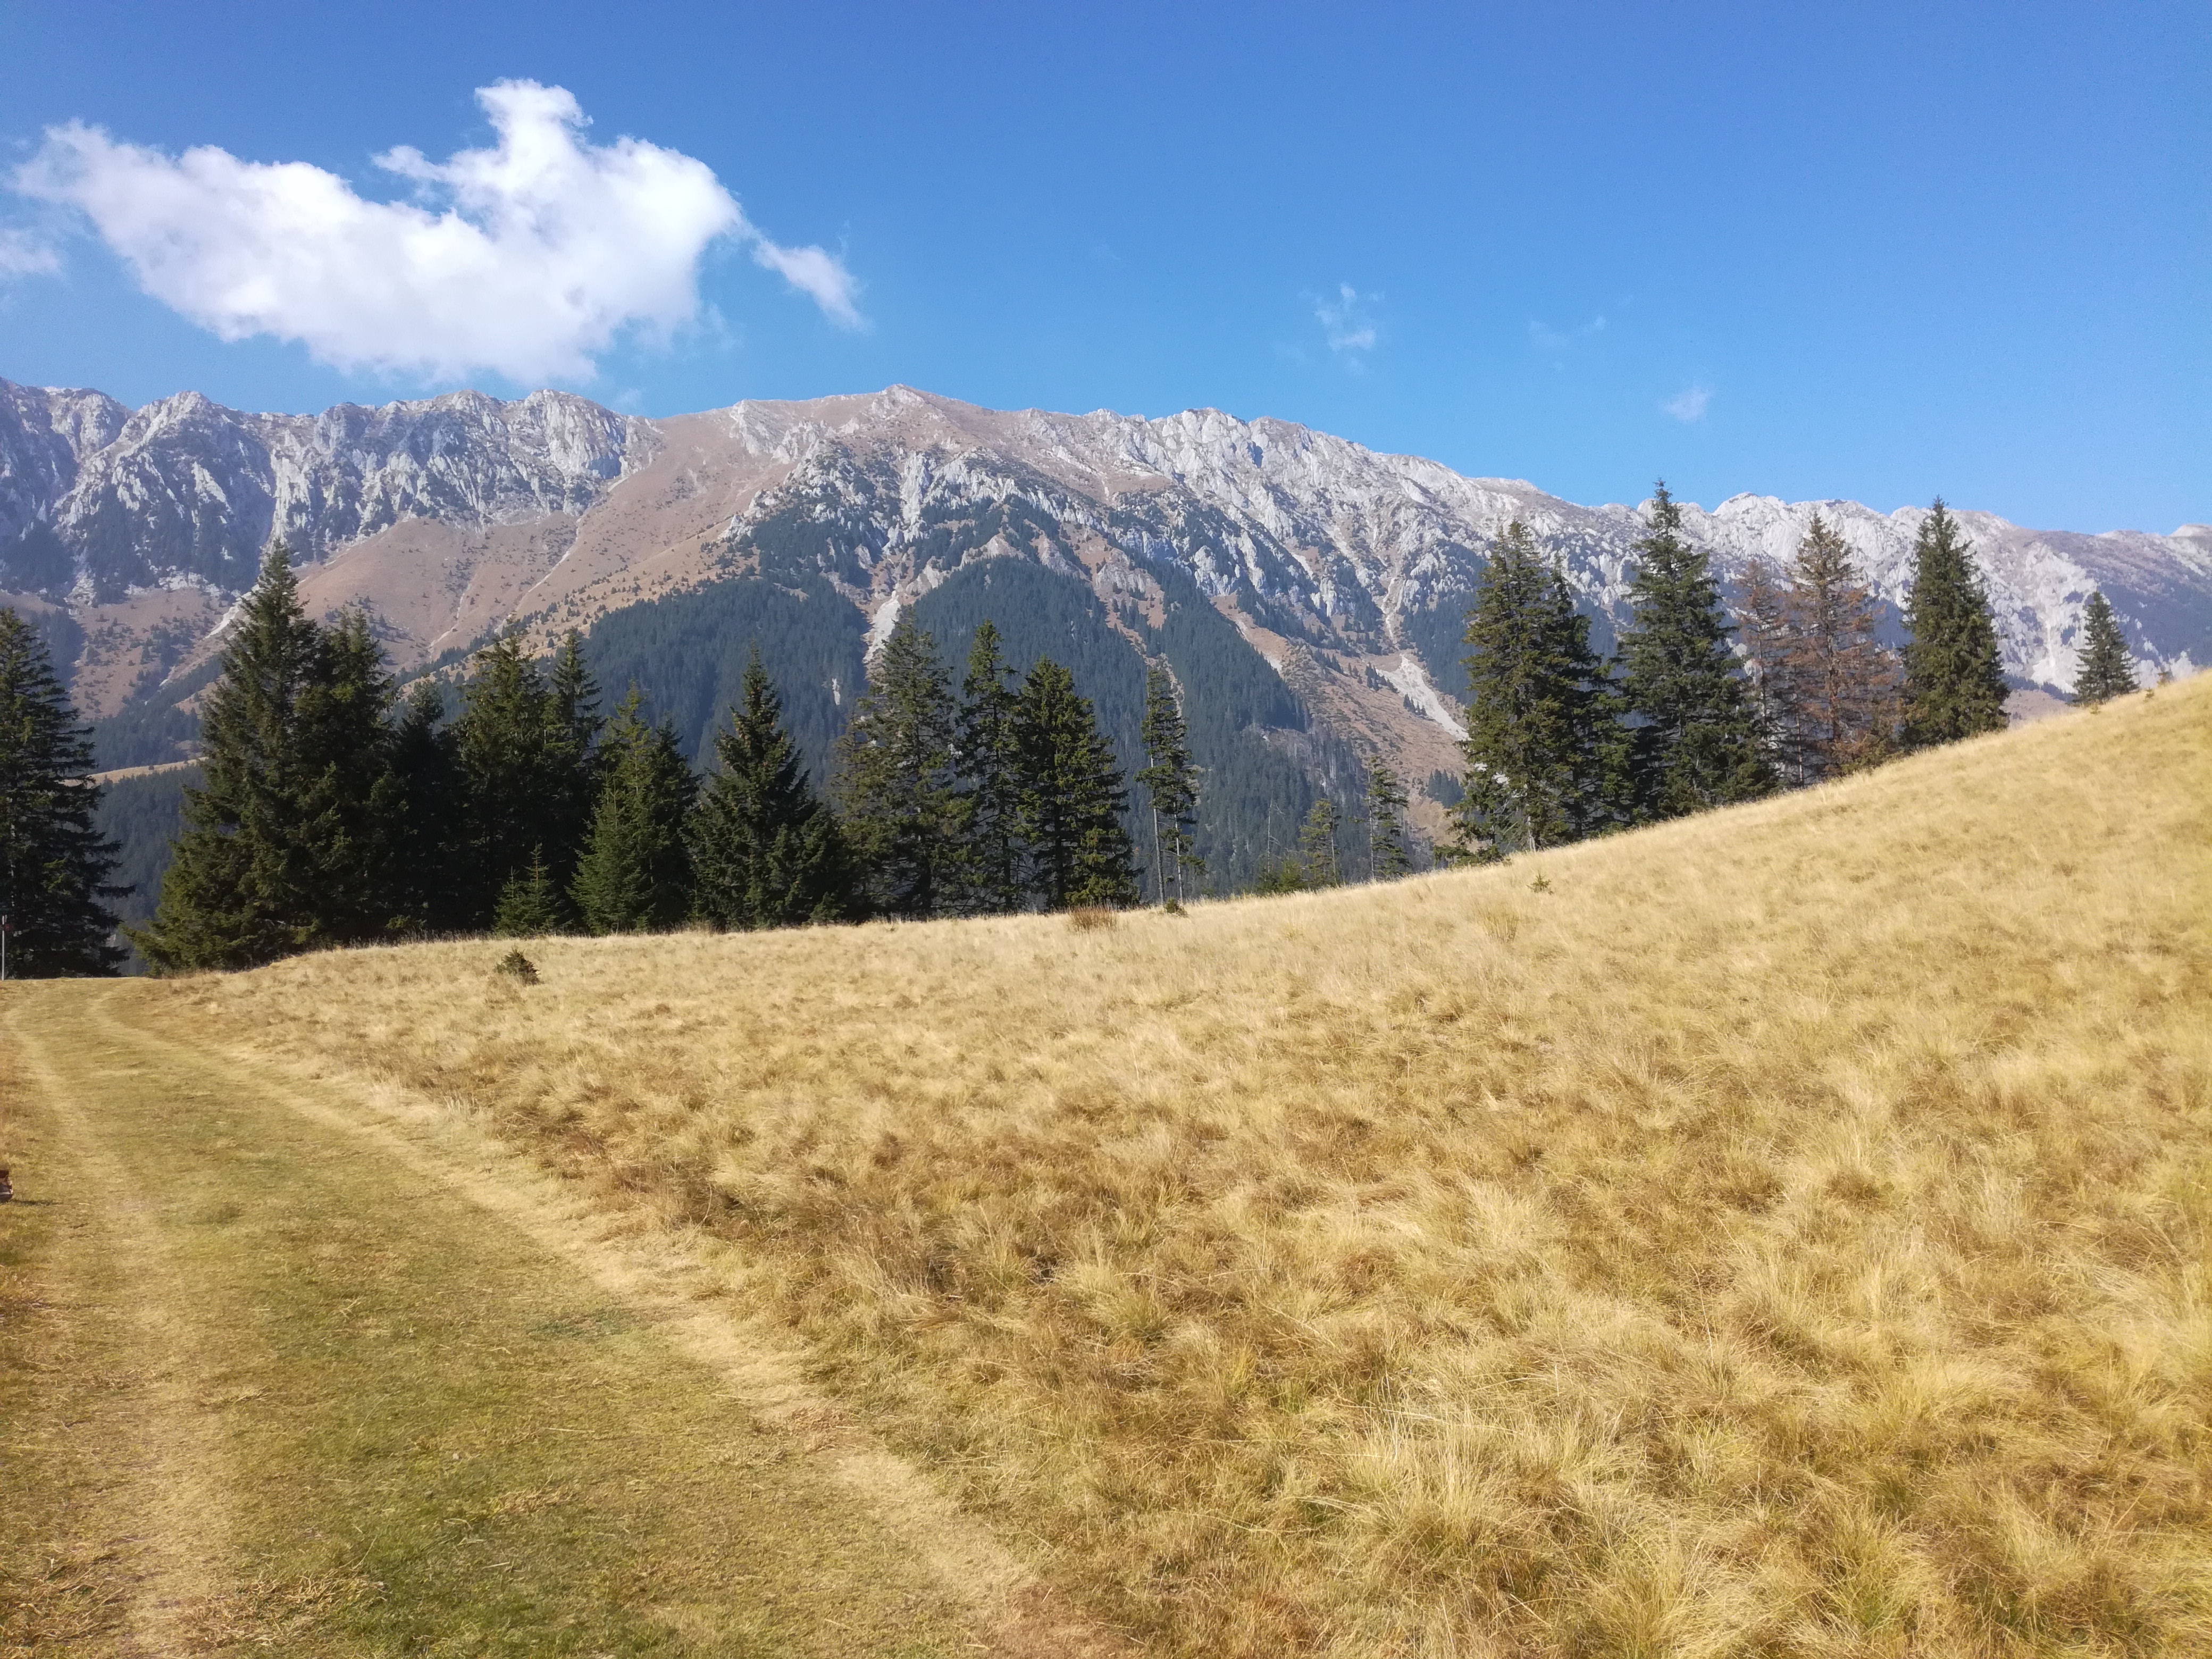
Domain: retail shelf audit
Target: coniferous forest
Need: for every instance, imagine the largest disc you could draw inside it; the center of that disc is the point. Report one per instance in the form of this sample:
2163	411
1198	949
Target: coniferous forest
970	768
1696	708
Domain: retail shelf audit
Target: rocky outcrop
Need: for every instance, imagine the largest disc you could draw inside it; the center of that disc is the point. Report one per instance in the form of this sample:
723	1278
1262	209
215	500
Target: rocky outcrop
97	503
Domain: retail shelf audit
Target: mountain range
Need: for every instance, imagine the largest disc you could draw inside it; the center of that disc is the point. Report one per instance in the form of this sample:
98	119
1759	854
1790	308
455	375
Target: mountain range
1309	593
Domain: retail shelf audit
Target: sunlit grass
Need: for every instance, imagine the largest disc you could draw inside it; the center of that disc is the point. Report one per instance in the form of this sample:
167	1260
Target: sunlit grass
1783	1232
403	1430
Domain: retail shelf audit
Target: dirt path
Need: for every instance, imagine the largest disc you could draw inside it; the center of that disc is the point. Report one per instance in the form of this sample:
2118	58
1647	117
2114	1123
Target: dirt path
286	1368
167	1517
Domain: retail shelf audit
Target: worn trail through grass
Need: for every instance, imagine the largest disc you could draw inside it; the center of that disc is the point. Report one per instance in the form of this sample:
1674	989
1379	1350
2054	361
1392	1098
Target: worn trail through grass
282	1371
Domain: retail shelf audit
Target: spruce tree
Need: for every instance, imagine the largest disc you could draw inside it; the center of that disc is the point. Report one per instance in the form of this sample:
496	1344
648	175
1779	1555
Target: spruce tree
54	862
575	714
523	743
1843	680
633	875
1317	848
765	853
1539	716
531	903
286	844
426	768
350	811
1954	682
2107	670
896	786
1072	794
1170	781
1387	857
1697	743
992	855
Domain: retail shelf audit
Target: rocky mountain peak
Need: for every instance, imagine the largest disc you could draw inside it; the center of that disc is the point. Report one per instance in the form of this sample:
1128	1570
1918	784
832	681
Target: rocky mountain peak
1301	535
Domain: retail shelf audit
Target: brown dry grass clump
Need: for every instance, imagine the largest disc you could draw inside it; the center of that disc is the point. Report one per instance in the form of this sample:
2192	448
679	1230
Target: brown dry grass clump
1784	1232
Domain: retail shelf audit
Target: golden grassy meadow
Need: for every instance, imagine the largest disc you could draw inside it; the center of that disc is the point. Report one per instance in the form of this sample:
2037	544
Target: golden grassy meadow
1786	1232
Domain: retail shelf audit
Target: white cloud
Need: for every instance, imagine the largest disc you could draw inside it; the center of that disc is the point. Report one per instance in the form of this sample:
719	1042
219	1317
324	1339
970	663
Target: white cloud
23	254
526	259
1545	337
813	272
1690	405
1345	322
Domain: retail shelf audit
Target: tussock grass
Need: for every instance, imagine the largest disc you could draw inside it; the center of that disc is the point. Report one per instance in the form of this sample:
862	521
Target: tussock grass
1786	1232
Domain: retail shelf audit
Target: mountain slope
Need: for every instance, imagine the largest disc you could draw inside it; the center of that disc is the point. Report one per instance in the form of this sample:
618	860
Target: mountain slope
1345	571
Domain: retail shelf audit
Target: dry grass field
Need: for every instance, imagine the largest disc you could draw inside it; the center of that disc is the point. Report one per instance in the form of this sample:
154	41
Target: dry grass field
1787	1232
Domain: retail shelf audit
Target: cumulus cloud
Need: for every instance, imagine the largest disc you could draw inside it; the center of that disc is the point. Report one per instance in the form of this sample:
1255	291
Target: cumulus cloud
1690	405
1346	324
526	259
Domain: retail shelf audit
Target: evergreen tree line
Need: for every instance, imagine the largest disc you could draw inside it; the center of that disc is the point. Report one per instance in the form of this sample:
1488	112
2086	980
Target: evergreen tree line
996	796
330	812
1563	744
333	812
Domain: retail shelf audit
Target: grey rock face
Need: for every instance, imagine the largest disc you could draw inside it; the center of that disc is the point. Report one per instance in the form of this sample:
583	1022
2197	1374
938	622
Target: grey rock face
44	438
1321	540
1316	538
97	502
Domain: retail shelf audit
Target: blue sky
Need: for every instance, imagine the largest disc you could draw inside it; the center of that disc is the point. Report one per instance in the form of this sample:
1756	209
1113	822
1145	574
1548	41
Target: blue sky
1867	252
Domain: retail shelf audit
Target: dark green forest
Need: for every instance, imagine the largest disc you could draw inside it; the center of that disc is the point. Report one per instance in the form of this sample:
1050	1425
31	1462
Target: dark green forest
143	816
687	654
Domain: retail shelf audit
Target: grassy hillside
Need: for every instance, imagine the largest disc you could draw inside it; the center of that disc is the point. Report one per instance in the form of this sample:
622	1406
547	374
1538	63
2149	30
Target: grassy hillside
1784	1232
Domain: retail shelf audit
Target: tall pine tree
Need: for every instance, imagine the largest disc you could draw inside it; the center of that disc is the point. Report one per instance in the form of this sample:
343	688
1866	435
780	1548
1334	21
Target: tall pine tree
993	857
1170	782
1697	740
523	744
351	814
1317	847
426	767
1954	682
1073	796
54	863
765	853
577	713
2107	670
287	841
633	875
1388	856
896	786
1540	722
